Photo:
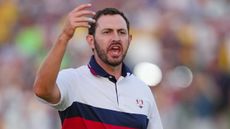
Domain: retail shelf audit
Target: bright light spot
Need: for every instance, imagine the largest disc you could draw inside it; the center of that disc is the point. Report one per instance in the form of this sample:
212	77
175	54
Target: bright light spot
180	77
149	73
144	48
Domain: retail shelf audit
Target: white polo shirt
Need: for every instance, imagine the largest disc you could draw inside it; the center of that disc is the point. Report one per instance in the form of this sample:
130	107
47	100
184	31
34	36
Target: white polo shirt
93	99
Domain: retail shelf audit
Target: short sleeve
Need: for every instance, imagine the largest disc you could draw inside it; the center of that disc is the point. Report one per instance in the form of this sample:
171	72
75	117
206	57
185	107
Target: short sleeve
154	119
63	82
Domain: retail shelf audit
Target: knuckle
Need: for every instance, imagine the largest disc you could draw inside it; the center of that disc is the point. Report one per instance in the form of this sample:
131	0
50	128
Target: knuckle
72	23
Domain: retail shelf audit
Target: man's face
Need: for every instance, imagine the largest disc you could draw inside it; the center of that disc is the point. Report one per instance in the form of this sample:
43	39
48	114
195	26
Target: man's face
111	39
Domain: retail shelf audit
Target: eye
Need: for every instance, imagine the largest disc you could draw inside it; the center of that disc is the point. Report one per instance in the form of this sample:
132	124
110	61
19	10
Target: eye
123	32
106	31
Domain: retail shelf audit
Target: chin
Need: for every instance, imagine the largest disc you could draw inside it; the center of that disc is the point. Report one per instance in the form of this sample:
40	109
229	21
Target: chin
115	62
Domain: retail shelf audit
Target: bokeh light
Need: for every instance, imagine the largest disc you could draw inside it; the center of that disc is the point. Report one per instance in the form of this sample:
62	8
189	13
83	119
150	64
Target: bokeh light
149	73
180	77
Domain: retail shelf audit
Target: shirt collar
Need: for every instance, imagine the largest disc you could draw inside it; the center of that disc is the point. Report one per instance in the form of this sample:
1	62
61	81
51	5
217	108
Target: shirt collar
96	69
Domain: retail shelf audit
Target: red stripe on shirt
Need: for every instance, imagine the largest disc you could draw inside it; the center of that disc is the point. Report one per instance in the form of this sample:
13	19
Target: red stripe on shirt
80	123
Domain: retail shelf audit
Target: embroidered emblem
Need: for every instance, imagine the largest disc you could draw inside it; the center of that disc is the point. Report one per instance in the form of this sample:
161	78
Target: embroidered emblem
140	103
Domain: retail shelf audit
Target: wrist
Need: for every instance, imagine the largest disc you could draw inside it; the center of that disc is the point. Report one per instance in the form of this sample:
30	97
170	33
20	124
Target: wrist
64	37
67	33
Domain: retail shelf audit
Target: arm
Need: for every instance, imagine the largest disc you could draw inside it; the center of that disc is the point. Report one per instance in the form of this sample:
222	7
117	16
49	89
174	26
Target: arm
45	85
154	120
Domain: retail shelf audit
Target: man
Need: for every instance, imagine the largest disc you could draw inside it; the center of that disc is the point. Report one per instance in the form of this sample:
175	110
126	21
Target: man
103	94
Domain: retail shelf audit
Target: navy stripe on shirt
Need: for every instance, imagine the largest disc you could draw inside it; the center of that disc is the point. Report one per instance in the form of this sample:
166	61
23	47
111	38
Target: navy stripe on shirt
106	116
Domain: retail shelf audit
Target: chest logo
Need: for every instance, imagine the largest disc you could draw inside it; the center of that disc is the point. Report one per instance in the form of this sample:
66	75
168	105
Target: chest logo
140	103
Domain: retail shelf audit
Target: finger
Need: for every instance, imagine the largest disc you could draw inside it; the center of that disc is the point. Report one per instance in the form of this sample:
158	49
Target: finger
84	19
81	7
81	24
85	12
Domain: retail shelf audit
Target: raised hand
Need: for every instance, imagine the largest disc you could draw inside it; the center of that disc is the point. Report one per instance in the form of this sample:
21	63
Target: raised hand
78	17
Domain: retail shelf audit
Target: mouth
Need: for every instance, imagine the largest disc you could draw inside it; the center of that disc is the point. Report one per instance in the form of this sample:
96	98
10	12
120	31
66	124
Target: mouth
115	50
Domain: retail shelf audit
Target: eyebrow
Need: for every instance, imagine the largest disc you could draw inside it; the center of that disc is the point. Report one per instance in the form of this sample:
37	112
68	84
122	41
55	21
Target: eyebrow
121	29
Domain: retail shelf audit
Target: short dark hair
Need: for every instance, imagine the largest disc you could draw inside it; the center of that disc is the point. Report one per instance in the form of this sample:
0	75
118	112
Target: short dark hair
106	11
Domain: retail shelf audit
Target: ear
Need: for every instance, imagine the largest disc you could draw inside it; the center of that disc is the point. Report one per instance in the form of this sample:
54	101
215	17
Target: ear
130	38
90	41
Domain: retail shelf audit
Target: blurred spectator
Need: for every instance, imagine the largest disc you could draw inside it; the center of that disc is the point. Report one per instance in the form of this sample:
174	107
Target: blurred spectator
9	15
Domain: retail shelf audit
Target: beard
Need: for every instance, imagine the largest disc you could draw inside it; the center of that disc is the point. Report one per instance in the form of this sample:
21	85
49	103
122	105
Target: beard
102	54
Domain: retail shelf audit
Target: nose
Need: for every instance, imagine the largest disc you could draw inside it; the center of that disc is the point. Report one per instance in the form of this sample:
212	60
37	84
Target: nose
116	37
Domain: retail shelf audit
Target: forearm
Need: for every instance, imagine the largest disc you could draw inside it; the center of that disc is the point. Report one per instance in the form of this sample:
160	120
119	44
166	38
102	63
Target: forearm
45	85
45	82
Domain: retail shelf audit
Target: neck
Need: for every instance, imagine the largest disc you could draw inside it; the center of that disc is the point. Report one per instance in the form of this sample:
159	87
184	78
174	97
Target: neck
112	70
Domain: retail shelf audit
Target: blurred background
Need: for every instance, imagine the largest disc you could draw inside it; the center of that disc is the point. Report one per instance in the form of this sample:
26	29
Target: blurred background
184	45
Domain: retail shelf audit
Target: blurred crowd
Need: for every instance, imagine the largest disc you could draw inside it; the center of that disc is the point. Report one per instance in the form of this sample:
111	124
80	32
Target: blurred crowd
168	33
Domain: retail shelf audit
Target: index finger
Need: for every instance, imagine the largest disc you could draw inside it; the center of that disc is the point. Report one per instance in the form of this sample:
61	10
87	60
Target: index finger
83	6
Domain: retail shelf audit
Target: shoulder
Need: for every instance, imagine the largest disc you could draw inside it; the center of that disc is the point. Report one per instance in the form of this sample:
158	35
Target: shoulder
140	85
72	72
137	81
